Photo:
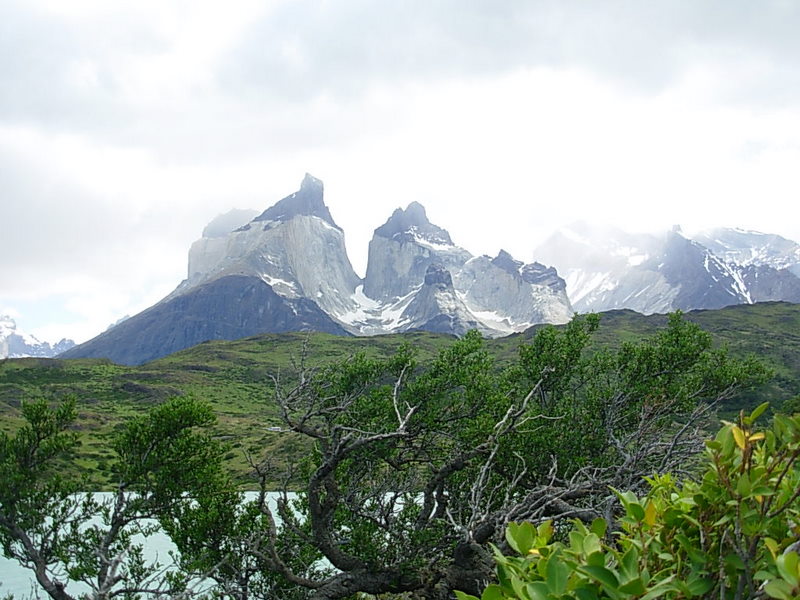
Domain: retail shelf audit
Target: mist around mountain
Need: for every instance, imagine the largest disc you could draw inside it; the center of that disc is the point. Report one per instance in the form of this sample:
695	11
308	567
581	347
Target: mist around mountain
287	269
17	344
606	268
292	259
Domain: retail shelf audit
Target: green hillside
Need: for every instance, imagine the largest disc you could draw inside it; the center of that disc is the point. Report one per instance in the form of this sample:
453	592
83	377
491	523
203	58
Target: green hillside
236	377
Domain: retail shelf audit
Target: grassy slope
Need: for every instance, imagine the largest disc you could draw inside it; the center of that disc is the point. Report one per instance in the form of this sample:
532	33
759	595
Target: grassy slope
236	376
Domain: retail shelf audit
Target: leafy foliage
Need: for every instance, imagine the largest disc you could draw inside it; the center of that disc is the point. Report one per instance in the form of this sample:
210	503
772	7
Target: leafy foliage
49	524
230	376
416	469
411	467
733	533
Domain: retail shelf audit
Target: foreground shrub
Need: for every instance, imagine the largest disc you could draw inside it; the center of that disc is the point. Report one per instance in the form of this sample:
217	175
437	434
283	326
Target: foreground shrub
733	533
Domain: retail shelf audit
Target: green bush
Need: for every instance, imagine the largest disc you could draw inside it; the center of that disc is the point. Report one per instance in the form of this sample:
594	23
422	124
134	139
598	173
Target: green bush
733	533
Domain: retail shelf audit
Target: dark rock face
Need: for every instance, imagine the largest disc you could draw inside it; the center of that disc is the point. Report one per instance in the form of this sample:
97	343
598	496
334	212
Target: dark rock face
704	281
439	276
539	274
307	201
437	308
767	284
506	262
404	224
228	308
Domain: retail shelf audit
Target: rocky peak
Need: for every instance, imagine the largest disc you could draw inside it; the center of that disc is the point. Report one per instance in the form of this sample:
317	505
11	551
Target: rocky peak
439	276
506	262
408	224
308	200
539	274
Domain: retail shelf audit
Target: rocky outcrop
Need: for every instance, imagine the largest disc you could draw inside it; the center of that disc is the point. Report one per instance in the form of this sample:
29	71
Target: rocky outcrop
294	246
508	296
402	249
499	295
284	270
767	284
702	280
436	306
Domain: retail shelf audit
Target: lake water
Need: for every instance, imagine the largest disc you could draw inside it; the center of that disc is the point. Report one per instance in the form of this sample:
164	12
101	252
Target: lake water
17	580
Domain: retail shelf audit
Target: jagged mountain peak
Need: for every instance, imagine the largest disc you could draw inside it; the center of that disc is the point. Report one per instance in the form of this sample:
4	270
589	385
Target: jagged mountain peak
15	344
308	200
747	247
412	224
508	263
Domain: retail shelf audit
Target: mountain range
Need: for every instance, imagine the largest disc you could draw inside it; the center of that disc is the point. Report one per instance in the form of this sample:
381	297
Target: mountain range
606	268
286	269
17	344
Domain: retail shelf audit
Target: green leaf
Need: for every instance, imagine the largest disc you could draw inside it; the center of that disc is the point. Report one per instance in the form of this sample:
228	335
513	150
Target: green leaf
545	530
584	593
758	411
463	596
699	586
634	586
630	563
492	592
591	544
557	575
743	485
763	575
520	536
788	567
538	590
596	559
777	588
599	527
636	510
601	575
519	588
722	520
665	586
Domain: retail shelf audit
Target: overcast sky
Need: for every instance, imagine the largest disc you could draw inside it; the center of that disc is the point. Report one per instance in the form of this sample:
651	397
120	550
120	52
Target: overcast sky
125	126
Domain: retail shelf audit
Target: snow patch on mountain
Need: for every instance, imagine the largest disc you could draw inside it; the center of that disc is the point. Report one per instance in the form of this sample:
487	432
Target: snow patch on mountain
605	268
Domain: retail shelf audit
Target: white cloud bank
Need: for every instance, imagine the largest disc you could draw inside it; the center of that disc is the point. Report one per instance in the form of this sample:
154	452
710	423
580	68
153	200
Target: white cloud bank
125	127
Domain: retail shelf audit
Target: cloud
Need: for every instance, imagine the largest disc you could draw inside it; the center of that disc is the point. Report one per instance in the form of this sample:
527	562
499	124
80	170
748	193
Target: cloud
125	127
308	48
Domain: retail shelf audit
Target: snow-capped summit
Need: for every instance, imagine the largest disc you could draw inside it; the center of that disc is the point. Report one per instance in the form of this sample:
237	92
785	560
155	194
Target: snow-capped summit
16	344
606	268
744	247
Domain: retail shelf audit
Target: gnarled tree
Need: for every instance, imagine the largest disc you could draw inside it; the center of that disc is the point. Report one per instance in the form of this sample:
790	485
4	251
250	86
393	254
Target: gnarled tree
416	468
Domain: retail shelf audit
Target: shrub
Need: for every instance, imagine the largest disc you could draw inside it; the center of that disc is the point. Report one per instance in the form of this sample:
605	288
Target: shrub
733	533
